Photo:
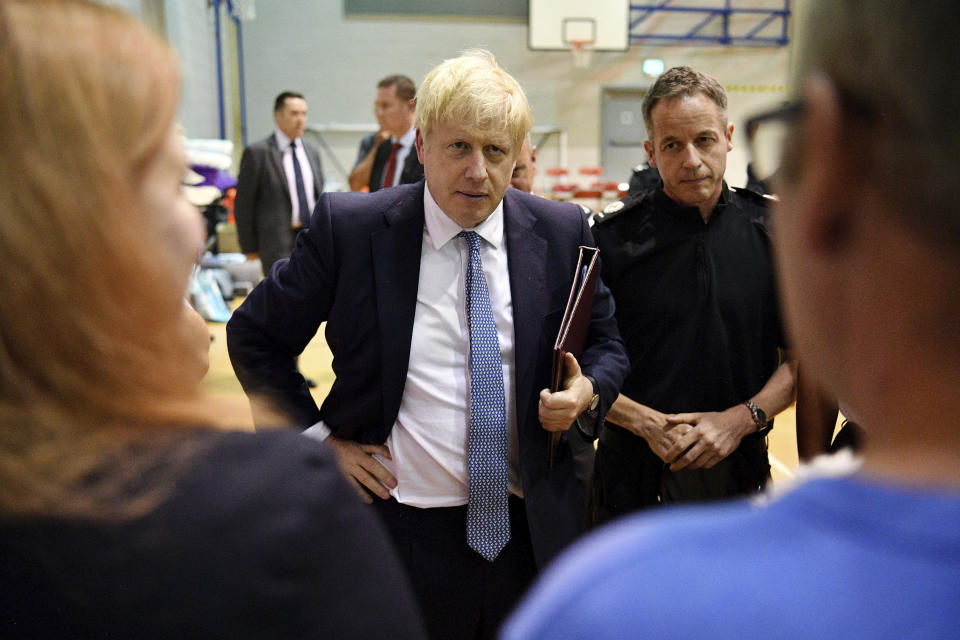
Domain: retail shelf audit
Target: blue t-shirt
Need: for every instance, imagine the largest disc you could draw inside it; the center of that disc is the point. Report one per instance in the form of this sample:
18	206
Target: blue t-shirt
833	558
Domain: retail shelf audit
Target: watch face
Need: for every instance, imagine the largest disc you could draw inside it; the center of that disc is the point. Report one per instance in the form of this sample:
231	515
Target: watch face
594	402
759	416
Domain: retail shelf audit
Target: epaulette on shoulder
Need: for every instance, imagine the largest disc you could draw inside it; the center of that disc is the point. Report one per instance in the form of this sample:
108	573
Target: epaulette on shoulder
764	200
617	207
760	217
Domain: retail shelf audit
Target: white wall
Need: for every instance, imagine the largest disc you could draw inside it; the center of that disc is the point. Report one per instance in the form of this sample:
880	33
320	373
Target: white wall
190	29
307	45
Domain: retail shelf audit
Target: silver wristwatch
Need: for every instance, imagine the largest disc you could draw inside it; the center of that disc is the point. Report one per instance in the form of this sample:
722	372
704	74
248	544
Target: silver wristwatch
759	416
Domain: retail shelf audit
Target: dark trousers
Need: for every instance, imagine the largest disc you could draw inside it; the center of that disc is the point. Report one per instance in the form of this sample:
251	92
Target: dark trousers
462	596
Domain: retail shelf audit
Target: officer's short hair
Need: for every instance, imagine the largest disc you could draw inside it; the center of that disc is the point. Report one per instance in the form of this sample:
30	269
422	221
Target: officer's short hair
679	82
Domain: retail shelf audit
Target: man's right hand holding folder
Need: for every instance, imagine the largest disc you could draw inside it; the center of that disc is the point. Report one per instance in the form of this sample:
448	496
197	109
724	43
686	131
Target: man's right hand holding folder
571	393
559	409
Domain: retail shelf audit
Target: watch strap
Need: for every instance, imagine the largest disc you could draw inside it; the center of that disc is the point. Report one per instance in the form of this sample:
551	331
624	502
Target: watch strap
594	406
759	416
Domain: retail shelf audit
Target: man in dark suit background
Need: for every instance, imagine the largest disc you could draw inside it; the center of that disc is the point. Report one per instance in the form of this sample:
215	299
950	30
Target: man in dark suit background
388	157
277	188
442	301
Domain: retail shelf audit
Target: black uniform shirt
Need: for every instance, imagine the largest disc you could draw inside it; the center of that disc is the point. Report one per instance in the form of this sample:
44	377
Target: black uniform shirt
696	303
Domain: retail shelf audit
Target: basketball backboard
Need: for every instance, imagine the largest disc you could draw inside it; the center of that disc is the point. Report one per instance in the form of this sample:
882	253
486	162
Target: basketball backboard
601	25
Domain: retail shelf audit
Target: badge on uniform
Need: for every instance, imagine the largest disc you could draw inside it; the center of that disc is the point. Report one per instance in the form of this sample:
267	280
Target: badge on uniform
613	207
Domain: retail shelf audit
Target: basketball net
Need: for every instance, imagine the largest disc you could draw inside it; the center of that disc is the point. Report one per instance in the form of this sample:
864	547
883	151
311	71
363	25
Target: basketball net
582	51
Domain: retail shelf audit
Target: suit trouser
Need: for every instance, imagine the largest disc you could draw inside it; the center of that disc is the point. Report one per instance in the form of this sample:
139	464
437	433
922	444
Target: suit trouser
461	595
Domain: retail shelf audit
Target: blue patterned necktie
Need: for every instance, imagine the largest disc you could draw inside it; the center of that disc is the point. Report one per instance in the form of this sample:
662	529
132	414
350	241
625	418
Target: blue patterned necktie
488	517
303	215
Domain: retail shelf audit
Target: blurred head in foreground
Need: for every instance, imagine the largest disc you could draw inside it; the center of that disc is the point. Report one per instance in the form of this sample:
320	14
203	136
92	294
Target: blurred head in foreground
868	230
99	242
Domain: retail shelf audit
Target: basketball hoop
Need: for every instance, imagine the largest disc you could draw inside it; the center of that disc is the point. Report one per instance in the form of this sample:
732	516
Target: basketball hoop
582	51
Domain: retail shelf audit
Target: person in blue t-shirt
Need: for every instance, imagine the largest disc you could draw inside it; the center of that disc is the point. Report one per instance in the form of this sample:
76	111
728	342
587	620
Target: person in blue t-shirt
868	248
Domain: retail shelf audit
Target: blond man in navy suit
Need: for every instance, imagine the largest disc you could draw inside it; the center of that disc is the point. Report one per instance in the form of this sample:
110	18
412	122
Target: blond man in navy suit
386	272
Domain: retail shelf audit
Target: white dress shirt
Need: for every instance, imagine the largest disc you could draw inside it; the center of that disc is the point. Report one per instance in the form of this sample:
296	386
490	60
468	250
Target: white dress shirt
406	148
283	143
428	441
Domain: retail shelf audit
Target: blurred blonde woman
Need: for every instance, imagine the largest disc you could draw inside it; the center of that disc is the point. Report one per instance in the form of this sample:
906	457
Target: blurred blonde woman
122	511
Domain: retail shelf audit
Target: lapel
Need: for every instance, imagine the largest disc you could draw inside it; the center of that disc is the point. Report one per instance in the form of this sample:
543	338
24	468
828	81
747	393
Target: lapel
396	274
276	162
526	261
313	157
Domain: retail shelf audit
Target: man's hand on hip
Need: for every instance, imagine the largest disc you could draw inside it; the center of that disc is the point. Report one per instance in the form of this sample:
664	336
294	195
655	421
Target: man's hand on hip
362	469
558	410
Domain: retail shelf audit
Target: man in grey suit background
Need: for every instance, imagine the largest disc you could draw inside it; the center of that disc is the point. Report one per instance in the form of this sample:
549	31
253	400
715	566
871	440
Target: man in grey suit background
280	179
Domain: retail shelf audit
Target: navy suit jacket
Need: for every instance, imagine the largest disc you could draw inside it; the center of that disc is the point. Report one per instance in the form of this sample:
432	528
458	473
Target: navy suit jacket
357	269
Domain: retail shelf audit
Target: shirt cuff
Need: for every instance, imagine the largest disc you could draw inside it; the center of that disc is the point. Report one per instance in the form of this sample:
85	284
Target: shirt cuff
318	432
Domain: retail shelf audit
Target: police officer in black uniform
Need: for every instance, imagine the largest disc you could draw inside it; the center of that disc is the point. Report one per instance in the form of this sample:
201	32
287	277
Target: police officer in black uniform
690	269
